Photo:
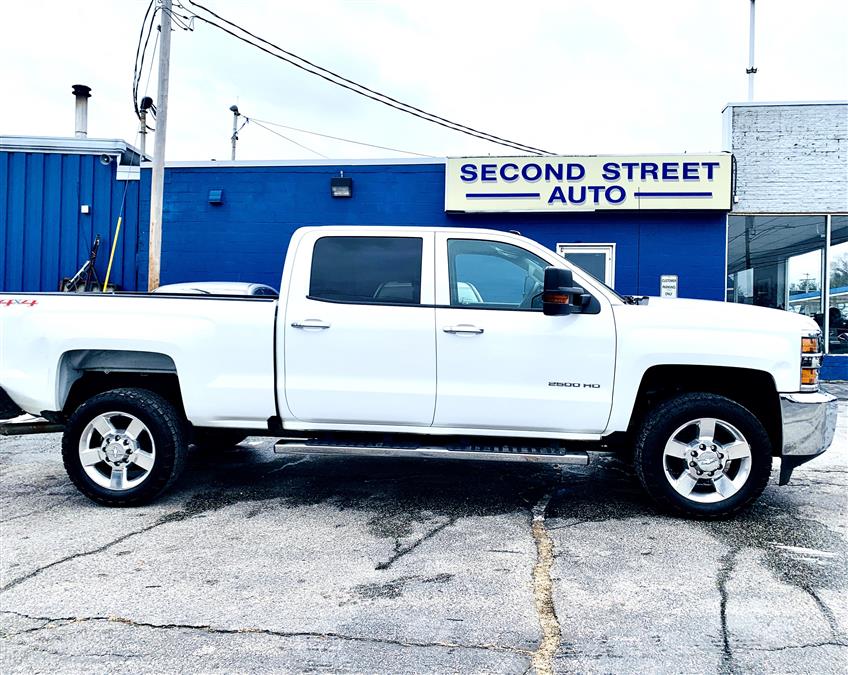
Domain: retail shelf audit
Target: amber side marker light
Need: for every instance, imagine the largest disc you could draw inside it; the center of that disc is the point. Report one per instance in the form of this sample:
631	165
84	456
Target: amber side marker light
809	376
810	345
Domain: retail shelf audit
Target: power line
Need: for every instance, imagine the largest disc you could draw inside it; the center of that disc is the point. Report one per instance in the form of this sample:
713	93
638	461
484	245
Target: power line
355	87
150	69
290	140
339	138
138	67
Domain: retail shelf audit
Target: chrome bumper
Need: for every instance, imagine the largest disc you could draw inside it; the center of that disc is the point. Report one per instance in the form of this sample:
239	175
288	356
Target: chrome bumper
809	424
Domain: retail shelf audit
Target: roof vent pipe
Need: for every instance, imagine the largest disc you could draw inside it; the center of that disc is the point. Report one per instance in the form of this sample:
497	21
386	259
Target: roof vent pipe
82	94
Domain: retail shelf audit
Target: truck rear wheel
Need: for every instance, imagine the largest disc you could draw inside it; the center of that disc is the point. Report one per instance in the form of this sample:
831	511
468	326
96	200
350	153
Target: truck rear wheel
124	447
703	456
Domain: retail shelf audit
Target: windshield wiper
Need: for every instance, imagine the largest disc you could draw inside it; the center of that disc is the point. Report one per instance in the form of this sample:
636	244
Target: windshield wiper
634	299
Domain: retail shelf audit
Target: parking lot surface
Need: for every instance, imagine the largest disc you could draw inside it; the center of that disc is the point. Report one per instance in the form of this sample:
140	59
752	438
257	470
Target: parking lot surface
256	563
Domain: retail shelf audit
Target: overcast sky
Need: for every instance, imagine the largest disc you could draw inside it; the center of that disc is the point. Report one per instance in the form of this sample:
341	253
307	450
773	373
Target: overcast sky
612	76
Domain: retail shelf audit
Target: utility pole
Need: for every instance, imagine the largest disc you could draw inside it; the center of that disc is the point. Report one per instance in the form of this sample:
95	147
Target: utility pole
752	70
234	109
157	185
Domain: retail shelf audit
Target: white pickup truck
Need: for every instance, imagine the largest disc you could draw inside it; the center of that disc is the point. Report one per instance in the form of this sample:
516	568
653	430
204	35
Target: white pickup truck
423	342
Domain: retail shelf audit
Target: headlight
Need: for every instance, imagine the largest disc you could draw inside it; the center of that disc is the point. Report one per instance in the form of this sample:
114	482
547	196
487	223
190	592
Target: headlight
811	358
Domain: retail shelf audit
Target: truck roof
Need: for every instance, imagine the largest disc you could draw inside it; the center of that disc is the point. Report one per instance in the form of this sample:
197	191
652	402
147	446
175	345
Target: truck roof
406	228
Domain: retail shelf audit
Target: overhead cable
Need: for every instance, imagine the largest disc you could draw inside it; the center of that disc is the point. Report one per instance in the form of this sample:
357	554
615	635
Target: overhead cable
355	87
290	140
339	138
138	67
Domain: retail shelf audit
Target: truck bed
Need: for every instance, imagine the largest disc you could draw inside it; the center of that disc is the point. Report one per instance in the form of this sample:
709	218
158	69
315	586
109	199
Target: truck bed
222	348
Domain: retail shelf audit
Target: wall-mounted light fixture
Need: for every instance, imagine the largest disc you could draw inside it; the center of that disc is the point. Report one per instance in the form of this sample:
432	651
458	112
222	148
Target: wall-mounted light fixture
341	186
216	197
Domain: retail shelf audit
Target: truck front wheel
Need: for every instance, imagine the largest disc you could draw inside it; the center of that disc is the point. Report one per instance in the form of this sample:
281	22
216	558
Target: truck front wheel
703	456
124	447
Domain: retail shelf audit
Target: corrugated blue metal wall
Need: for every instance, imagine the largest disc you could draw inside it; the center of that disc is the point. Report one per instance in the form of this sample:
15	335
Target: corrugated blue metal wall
43	235
245	238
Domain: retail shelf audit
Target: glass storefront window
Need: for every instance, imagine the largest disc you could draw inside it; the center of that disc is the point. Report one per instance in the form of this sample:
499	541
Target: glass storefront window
776	261
779	261
804	276
838	263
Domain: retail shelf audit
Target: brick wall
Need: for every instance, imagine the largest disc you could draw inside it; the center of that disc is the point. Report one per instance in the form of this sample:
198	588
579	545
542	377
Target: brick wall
789	158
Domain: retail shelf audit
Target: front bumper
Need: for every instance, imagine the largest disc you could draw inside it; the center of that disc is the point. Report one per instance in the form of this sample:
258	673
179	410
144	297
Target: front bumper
809	424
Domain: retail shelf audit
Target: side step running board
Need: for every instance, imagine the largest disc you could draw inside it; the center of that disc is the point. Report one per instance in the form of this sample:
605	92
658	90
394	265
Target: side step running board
496	453
27	427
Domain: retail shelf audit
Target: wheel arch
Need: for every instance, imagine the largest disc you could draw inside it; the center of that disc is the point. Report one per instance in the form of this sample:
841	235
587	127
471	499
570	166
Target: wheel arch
84	373
751	388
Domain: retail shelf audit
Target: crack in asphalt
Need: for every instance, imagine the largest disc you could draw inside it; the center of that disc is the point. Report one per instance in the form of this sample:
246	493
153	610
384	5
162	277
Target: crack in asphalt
197	505
59	622
825	610
543	591
809	645
174	517
82	554
727	563
402	551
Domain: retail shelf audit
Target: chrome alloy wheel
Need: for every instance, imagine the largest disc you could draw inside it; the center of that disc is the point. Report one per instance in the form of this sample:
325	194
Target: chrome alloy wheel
117	451
707	460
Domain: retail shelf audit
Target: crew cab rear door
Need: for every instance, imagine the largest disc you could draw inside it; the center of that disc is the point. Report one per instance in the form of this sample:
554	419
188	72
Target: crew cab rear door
359	328
503	364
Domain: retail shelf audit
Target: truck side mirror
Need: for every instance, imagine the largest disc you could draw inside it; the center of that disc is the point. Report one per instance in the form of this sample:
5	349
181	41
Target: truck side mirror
559	294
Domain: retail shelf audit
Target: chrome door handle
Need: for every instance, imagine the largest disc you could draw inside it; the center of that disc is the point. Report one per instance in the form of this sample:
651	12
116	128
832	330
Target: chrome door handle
463	329
310	323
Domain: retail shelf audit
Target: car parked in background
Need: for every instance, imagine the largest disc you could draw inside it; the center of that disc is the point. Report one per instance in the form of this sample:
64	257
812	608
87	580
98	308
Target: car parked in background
218	288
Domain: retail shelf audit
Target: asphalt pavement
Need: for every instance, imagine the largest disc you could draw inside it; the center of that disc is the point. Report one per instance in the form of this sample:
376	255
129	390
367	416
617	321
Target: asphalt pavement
261	563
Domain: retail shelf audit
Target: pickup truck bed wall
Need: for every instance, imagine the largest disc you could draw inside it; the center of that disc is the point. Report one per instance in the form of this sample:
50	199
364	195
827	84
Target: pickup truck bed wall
222	350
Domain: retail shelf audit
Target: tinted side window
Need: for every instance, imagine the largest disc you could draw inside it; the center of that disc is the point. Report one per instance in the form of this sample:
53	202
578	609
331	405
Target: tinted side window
494	274
367	270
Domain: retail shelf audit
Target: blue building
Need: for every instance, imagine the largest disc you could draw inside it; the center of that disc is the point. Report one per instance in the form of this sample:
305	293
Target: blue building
56	196
233	221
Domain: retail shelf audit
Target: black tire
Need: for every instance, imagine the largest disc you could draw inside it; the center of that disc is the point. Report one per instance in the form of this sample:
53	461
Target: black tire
660	425
217	440
165	426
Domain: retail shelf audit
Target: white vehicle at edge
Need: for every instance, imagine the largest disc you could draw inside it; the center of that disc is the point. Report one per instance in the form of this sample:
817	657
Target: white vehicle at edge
473	344
241	288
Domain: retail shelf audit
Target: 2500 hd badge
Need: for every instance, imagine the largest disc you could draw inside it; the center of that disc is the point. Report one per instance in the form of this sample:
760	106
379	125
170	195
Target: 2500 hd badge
587	385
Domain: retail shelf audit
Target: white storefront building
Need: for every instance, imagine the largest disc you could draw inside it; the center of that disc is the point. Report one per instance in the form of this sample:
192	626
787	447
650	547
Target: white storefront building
787	243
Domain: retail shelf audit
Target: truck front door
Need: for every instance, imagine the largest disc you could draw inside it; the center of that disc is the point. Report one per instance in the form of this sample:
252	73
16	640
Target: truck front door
503	364
358	329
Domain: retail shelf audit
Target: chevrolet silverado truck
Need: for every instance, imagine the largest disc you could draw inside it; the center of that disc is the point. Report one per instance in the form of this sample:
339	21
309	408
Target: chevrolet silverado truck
423	342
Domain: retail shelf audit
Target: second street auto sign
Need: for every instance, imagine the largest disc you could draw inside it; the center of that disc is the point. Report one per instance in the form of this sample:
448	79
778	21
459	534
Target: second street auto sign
588	183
